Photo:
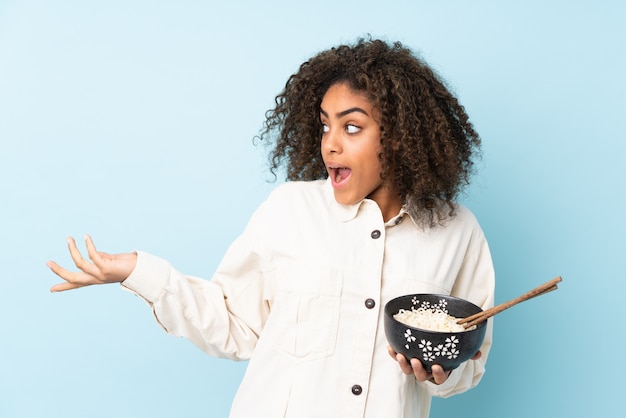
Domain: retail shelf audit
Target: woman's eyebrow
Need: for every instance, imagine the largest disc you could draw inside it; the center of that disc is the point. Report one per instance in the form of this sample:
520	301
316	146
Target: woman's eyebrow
345	112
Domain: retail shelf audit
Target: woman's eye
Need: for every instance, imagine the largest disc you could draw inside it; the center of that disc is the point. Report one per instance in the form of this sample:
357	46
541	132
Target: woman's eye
352	129
325	128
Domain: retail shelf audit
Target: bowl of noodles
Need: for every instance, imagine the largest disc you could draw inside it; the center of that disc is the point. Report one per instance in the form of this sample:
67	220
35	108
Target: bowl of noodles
423	326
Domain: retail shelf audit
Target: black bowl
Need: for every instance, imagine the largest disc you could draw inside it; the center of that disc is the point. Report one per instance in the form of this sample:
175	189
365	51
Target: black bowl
448	349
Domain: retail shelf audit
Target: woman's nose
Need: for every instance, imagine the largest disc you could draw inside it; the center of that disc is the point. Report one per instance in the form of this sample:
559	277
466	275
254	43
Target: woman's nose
331	142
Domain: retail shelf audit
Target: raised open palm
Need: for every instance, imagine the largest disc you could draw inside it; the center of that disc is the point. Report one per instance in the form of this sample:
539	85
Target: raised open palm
103	268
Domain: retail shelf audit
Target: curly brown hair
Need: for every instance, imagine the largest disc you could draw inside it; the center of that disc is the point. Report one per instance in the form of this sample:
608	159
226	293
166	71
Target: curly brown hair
428	142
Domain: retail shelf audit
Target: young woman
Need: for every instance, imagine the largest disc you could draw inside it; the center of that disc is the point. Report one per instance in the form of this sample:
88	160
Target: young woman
376	150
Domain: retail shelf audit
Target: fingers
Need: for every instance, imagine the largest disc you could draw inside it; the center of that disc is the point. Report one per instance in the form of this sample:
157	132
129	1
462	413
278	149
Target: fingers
61	287
92	253
92	269
415	367
88	273
77	257
402	361
73	280
477	355
60	271
404	364
436	375
91	247
107	267
103	267
439	375
419	371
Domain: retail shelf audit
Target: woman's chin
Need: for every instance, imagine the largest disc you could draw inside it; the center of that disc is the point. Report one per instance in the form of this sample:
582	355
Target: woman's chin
345	200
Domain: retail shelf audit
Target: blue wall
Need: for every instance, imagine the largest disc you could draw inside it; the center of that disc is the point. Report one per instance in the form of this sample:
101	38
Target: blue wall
133	121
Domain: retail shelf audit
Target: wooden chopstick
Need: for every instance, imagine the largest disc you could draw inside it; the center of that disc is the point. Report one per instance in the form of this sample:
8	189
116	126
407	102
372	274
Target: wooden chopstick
472	320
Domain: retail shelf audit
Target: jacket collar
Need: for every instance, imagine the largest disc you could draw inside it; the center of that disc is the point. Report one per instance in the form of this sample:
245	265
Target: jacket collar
339	212
346	213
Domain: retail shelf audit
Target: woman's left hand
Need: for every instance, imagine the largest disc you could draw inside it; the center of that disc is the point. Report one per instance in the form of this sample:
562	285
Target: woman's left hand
414	367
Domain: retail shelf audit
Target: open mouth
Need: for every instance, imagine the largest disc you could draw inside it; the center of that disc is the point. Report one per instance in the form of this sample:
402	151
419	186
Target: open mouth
339	174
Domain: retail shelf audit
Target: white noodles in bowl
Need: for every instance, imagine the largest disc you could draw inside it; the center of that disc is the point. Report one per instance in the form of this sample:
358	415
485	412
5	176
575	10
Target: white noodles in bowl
429	319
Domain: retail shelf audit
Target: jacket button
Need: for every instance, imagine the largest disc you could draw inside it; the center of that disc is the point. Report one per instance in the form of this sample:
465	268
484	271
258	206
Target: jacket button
357	390
376	234
370	303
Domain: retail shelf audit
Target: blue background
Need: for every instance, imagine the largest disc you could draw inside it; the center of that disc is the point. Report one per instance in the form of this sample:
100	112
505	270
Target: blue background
133	121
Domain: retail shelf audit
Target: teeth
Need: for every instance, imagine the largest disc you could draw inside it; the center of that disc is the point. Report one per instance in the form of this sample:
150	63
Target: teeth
338	178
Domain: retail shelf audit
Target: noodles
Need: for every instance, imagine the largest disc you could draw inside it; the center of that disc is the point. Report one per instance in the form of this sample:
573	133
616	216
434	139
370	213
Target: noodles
429	319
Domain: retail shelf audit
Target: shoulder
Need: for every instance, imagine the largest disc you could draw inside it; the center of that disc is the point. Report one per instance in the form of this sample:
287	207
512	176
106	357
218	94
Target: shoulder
465	222
459	224
288	211
457	217
464	216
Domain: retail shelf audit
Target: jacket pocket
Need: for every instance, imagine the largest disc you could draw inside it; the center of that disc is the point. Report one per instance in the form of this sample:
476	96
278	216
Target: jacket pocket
305	314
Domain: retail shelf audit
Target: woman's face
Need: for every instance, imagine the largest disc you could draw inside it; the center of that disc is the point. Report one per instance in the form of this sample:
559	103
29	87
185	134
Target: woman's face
351	147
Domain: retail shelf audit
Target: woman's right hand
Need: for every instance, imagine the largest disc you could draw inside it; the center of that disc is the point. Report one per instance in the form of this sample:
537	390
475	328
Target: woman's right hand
103	268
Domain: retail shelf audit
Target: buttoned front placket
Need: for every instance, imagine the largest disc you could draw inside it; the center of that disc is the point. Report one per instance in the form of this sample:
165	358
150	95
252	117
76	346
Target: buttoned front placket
365	291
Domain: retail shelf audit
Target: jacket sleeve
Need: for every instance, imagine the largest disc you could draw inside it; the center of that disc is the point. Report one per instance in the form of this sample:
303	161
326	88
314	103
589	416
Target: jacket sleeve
476	283
224	316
